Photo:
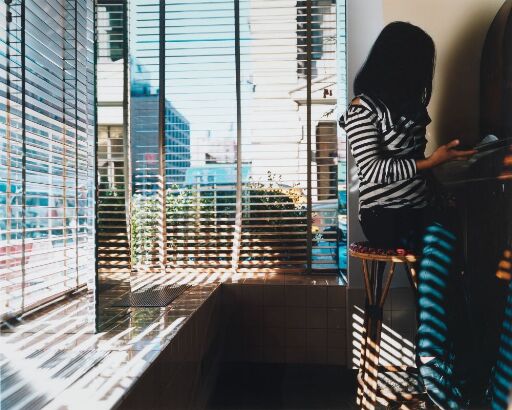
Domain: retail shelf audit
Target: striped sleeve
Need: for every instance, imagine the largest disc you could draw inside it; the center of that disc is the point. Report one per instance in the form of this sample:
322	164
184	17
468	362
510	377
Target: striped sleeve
363	136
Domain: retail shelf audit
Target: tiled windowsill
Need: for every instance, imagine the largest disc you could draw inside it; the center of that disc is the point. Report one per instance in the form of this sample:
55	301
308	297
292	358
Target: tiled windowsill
284	279
56	359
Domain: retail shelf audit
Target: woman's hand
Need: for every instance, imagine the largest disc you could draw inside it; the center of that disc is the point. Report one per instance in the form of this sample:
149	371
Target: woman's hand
444	154
448	152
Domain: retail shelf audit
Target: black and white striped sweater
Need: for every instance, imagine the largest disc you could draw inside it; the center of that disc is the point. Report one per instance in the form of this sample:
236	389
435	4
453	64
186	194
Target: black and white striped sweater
385	154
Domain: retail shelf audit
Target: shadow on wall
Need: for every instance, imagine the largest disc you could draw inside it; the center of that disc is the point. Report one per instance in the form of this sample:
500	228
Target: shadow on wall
458	95
502	394
395	350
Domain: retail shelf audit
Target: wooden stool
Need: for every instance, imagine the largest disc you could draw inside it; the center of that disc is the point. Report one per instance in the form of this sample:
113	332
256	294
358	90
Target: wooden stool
369	393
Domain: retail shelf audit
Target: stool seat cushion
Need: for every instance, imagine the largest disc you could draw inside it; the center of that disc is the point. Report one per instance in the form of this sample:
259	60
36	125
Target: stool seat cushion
367	248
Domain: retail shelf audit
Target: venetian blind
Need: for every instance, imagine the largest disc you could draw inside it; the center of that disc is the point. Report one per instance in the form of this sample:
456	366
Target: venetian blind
47	139
234	141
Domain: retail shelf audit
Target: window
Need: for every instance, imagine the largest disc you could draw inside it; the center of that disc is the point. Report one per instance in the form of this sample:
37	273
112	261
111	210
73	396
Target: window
112	238
235	158
47	151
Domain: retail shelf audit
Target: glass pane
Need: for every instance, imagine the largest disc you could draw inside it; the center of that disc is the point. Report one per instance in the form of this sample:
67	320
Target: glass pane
113	244
191	145
200	133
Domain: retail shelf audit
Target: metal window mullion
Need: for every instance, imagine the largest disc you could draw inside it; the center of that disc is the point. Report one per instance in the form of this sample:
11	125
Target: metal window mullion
126	132
97	318
161	134
8	17
342	5
64	152
238	205
24	156
71	10
309	137
77	206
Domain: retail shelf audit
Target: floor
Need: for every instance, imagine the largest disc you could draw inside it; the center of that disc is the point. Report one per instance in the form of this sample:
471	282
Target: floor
278	386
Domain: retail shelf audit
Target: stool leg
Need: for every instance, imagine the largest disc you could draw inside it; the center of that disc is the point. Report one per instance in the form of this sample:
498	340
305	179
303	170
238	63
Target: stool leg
372	346
363	361
372	342
361	388
410	269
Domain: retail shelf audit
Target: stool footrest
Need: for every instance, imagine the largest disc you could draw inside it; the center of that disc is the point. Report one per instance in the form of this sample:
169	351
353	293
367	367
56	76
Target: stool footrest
406	369
392	390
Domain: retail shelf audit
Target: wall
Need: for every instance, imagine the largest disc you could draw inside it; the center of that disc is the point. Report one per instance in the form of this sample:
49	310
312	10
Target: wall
458	28
292	319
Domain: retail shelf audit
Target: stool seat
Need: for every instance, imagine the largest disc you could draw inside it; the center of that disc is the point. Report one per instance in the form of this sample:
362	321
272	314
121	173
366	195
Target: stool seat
364	250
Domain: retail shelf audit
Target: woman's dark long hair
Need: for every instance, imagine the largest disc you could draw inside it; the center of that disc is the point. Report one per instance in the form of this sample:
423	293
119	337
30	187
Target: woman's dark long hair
399	71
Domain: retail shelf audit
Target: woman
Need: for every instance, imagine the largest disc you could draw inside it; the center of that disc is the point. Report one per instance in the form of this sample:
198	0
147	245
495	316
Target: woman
386	126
